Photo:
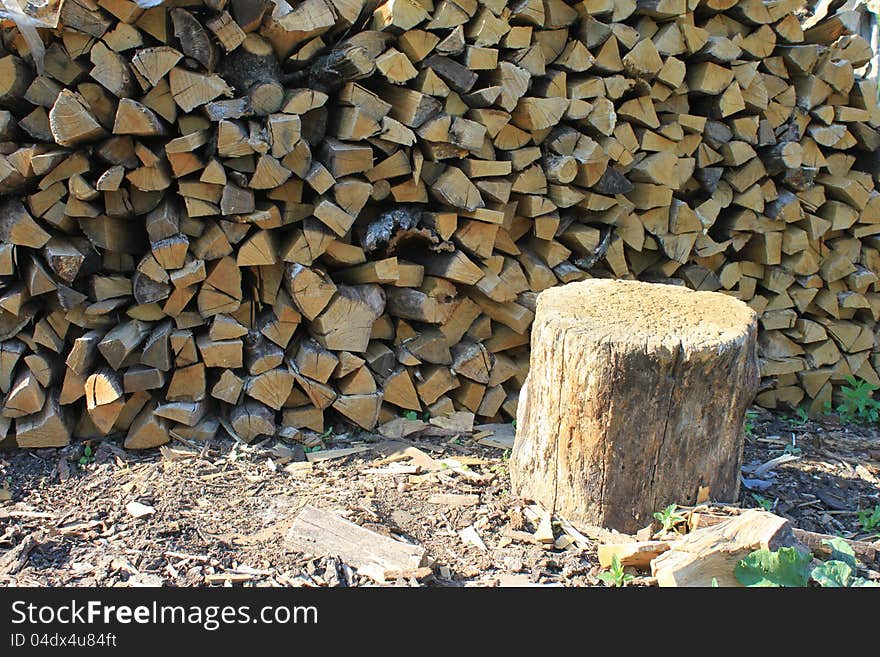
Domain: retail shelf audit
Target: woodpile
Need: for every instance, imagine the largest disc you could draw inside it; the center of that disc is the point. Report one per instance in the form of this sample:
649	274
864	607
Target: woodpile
267	215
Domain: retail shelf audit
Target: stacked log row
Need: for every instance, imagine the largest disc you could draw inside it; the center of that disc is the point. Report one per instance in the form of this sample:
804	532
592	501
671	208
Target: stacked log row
267	216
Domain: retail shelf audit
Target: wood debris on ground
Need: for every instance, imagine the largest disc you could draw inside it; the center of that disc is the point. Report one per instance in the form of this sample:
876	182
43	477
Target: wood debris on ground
221	514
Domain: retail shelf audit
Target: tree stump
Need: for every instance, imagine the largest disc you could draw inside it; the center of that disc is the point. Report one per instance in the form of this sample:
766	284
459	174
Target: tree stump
635	400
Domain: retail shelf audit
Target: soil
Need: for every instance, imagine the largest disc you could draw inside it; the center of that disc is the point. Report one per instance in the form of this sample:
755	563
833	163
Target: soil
217	513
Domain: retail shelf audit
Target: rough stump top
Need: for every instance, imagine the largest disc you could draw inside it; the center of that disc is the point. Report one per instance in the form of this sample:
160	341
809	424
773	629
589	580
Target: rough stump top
642	313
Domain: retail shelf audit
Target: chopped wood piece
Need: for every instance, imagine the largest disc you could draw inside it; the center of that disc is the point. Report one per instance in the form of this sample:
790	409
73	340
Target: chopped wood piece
713	553
147	430
319	532
71	122
51	427
638	554
252	419
132	118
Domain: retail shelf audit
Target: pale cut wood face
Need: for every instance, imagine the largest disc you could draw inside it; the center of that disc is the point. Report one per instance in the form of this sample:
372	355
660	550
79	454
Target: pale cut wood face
668	316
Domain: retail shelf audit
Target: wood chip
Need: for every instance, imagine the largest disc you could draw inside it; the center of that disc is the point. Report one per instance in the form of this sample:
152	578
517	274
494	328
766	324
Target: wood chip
500	436
331	454
15	559
138	510
454	500
299	469
470	537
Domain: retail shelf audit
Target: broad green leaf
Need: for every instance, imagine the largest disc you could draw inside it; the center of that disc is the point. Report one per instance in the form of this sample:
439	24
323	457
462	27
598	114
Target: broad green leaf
841	551
784	567
860	582
607	578
833	574
411	415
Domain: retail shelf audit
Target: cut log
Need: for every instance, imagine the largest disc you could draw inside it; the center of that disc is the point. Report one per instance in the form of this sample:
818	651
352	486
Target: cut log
605	352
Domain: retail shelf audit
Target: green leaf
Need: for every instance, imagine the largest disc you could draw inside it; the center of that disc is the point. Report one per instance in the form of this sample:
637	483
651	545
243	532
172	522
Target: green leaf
833	574
869	518
607	578
861	582
763	502
411	415
616	575
88	450
784	567
841	551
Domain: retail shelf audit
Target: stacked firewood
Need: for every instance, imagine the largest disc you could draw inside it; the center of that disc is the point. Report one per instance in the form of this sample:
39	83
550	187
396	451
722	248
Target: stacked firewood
267	216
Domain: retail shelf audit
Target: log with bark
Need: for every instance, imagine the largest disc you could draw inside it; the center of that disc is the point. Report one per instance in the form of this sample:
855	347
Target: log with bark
635	399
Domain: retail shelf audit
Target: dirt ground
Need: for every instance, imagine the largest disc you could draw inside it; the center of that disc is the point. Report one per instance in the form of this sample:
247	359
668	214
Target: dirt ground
217	513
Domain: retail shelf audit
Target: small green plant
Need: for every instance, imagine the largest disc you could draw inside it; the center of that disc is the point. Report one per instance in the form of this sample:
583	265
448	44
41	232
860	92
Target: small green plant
327	433
87	456
840	569
411	415
616	575
313	448
858	405
763	502
668	519
783	567
792	450
869	519
502	468
791	567
749	423
801	417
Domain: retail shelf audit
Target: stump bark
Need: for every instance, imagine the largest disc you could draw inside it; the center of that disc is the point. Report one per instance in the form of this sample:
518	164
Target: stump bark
635	400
